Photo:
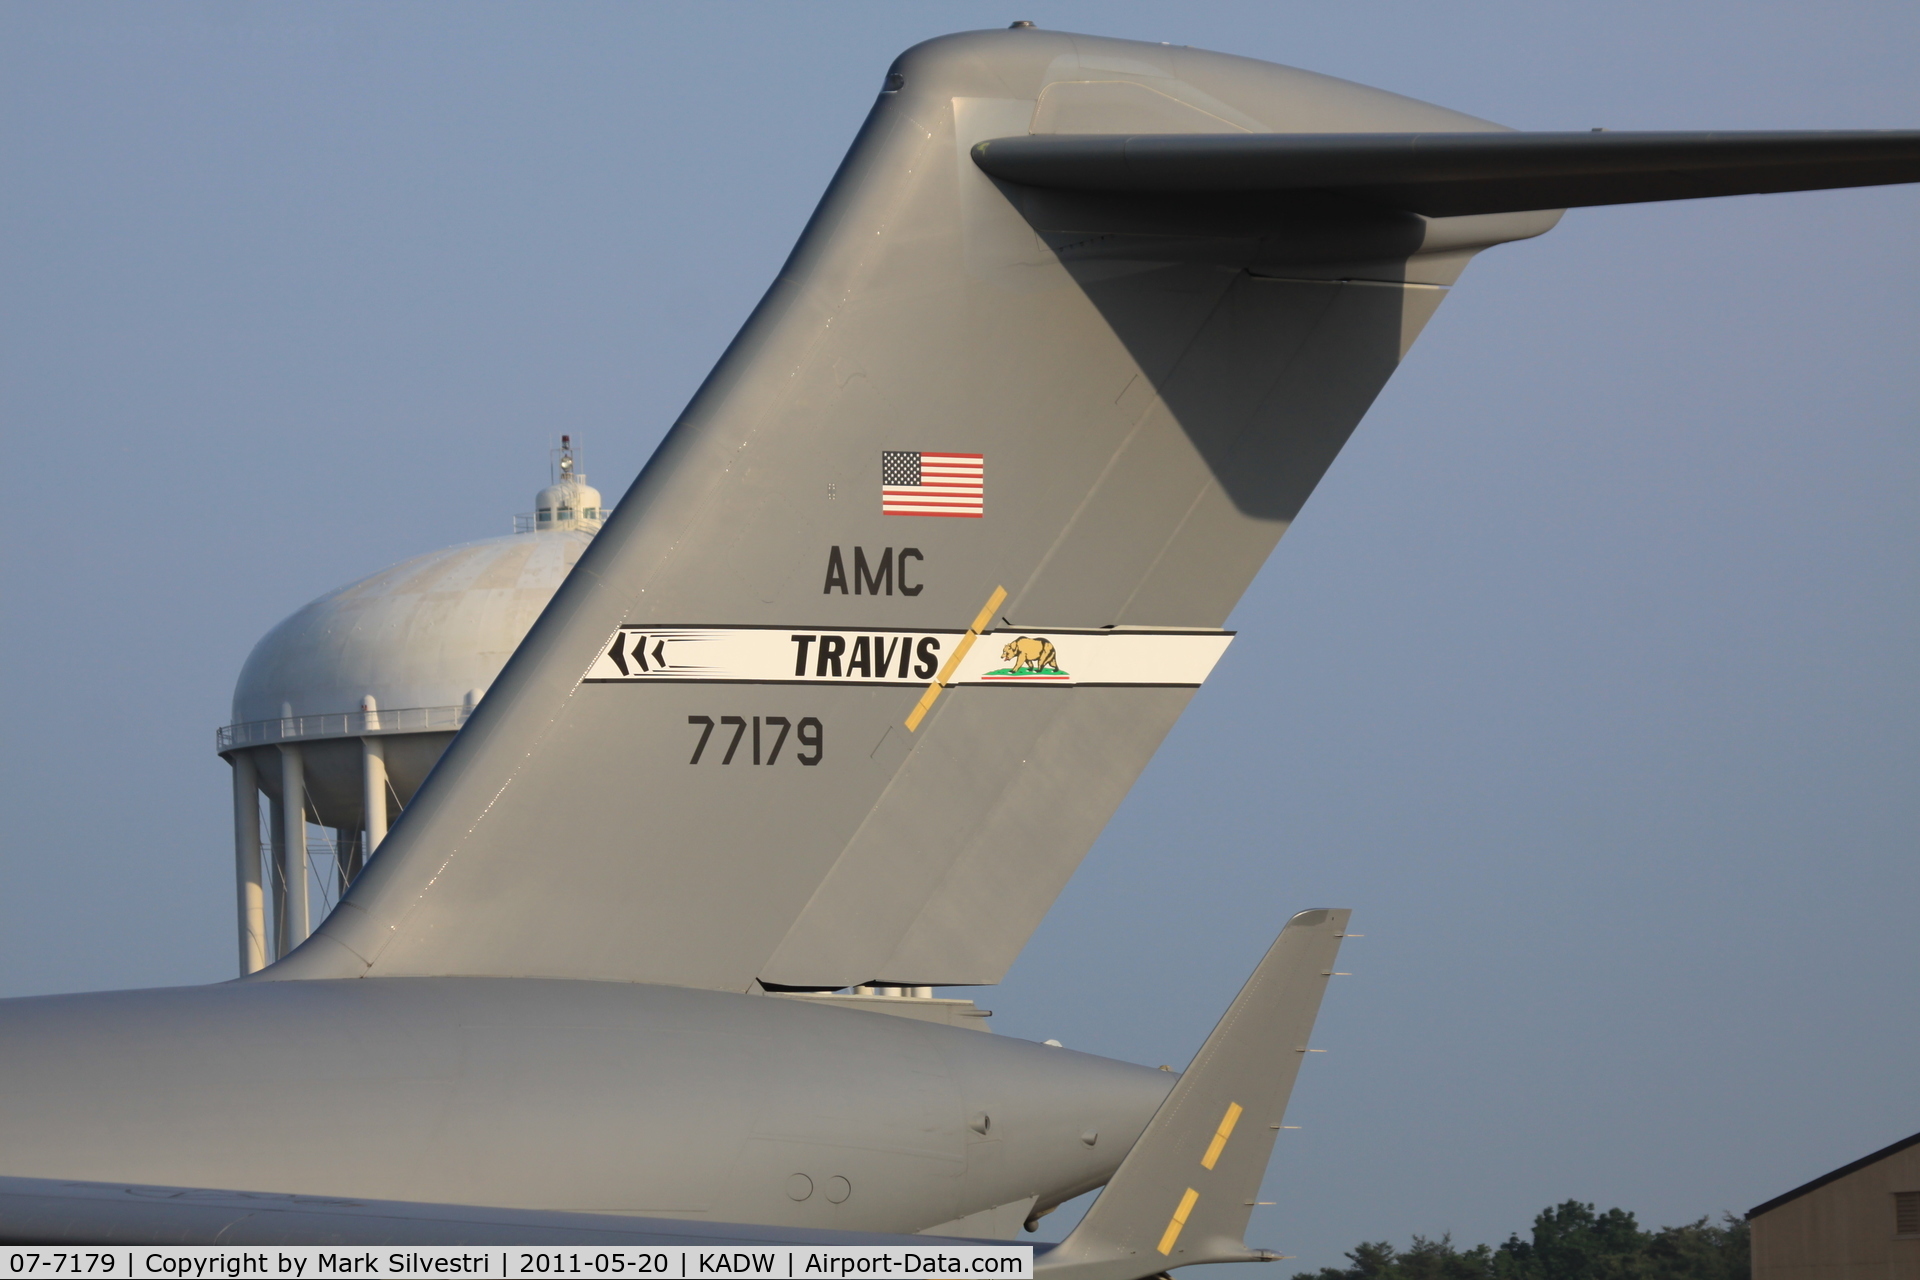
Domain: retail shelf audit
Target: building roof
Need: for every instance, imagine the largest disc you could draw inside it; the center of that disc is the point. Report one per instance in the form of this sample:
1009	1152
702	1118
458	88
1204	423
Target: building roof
1835	1176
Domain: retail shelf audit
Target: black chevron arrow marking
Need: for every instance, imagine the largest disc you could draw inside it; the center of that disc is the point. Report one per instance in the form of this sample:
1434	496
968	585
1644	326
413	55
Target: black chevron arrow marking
617	653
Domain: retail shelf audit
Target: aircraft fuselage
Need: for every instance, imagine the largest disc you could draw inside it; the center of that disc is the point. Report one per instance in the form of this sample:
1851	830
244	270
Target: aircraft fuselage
587	1096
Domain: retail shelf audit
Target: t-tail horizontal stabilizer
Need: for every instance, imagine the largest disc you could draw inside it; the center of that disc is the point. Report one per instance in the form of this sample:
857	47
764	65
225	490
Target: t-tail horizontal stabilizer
1185	1192
1443	174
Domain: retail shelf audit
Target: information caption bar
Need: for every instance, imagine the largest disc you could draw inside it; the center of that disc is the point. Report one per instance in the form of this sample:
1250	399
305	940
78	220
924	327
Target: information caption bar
419	1262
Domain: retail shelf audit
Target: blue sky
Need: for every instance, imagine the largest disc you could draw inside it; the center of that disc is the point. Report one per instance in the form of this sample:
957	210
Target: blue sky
1588	677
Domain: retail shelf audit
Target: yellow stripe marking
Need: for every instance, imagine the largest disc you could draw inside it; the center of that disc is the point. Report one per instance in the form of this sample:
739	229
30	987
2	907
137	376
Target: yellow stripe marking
925	704
1221	1135
1172	1232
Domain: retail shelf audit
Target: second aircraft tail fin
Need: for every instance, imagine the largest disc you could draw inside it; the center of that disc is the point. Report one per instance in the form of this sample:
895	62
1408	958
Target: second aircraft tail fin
1186	1191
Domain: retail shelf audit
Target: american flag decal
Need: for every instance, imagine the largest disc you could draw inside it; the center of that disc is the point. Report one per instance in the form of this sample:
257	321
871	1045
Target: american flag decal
933	484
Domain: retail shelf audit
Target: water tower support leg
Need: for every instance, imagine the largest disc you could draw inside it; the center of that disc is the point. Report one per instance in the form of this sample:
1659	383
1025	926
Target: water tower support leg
293	842
373	780
347	858
274	864
246	857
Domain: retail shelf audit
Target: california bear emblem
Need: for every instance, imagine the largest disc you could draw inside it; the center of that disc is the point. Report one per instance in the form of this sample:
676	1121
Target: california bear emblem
1030	653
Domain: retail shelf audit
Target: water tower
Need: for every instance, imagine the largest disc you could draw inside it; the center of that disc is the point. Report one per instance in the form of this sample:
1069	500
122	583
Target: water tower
342	709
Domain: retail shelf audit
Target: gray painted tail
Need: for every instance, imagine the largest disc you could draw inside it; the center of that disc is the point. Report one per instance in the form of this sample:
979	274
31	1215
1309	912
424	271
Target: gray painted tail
1186	1191
744	745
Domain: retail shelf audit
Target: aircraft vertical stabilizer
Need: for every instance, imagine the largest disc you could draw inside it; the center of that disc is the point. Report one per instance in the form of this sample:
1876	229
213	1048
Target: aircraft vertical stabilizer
908	597
1186	1191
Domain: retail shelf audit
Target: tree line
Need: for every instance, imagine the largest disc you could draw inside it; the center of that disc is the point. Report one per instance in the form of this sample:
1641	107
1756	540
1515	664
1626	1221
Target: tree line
1570	1242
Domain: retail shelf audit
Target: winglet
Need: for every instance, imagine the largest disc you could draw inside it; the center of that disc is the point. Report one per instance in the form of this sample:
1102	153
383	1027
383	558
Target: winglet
1185	1192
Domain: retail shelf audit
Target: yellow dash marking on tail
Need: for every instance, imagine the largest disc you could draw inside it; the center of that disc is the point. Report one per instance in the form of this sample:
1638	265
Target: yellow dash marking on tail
1172	1232
980	622
1221	1135
985	615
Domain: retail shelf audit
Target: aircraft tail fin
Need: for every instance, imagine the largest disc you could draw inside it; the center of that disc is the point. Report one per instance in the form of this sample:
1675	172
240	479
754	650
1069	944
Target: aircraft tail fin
907	599
1186	1191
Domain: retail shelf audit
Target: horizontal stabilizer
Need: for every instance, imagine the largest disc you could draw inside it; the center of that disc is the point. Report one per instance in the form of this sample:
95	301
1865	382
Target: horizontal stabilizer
1186	1191
1453	174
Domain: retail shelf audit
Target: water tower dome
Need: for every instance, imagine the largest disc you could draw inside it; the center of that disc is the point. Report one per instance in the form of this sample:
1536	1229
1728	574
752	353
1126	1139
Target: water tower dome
347	704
